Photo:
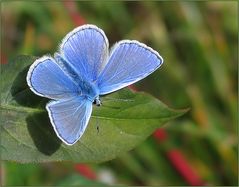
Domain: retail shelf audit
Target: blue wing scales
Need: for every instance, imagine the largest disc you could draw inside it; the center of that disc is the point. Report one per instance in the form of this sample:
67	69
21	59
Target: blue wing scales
129	62
46	78
85	49
70	118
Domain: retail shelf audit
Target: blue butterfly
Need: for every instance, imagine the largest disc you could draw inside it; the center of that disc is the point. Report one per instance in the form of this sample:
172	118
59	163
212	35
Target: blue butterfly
84	69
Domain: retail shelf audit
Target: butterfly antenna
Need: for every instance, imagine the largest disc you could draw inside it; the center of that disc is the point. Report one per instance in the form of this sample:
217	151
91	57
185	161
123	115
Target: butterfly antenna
113	107
118	99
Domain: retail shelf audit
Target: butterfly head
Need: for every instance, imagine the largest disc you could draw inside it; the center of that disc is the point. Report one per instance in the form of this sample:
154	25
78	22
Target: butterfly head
97	101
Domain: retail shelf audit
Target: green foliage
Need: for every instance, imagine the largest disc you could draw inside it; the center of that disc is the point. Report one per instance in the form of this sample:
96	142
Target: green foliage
78	180
125	119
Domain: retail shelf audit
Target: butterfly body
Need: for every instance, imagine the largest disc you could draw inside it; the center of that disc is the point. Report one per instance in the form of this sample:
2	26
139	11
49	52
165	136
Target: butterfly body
89	90
85	88
81	71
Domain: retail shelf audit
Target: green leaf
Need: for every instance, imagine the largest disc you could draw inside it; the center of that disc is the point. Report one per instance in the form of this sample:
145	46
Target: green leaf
125	119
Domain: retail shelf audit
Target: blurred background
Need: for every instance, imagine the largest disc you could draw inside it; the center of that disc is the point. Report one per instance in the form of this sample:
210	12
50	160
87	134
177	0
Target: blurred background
199	44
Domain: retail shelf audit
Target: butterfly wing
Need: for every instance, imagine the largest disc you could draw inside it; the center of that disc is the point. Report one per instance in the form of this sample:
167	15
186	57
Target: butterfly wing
46	78
129	62
70	118
85	49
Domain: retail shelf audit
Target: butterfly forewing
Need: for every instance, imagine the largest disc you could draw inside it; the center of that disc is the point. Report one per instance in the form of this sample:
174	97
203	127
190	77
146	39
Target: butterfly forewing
129	62
70	118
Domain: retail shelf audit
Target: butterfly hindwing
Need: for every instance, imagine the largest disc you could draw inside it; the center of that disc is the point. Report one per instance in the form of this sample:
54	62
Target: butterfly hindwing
46	78
85	49
129	62
70	118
